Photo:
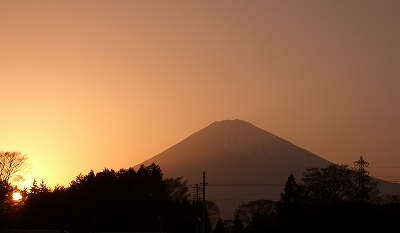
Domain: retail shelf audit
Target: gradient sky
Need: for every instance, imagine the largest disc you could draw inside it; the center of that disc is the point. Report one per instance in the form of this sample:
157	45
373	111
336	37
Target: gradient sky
93	84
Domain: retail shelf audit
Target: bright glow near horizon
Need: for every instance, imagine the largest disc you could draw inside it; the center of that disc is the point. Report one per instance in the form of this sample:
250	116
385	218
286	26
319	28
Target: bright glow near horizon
17	196
94	84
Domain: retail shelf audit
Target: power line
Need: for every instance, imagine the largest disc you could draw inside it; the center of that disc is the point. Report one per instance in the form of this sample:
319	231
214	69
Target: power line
385	181
241	185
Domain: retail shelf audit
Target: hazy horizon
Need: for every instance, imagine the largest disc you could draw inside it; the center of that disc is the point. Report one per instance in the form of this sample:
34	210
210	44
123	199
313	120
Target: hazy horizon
94	84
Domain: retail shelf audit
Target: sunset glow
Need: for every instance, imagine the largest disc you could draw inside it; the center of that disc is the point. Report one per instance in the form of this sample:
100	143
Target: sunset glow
93	84
17	196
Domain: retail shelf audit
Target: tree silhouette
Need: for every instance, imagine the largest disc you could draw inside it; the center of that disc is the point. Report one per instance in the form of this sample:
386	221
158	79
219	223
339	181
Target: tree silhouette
238	226
345	200
247	211
212	210
293	207
12	167
177	189
337	183
5	202
259	223
331	184
219	226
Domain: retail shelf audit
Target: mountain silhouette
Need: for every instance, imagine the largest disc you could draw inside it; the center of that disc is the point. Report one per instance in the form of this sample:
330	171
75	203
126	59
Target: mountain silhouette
241	162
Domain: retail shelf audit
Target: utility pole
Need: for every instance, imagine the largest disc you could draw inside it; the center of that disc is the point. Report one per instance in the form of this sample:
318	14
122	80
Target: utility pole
204	202
197	208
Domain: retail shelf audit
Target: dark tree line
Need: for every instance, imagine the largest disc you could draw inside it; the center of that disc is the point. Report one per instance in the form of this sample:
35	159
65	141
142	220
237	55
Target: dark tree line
331	199
126	200
334	197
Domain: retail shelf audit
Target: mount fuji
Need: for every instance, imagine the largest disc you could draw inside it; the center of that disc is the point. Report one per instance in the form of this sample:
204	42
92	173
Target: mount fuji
241	163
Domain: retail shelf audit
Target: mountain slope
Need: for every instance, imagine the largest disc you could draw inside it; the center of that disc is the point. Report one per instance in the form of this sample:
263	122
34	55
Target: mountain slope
241	161
225	149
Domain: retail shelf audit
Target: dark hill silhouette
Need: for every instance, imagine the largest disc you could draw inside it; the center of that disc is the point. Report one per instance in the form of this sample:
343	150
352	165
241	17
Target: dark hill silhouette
242	163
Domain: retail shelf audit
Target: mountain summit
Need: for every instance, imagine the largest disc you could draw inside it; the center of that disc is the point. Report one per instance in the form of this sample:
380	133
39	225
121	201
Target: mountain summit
242	162
235	151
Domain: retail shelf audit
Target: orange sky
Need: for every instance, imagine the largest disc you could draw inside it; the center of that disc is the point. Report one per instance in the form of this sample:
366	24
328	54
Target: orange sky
93	84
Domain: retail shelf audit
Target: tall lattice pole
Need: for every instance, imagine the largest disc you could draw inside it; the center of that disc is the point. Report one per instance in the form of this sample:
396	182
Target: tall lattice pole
361	164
